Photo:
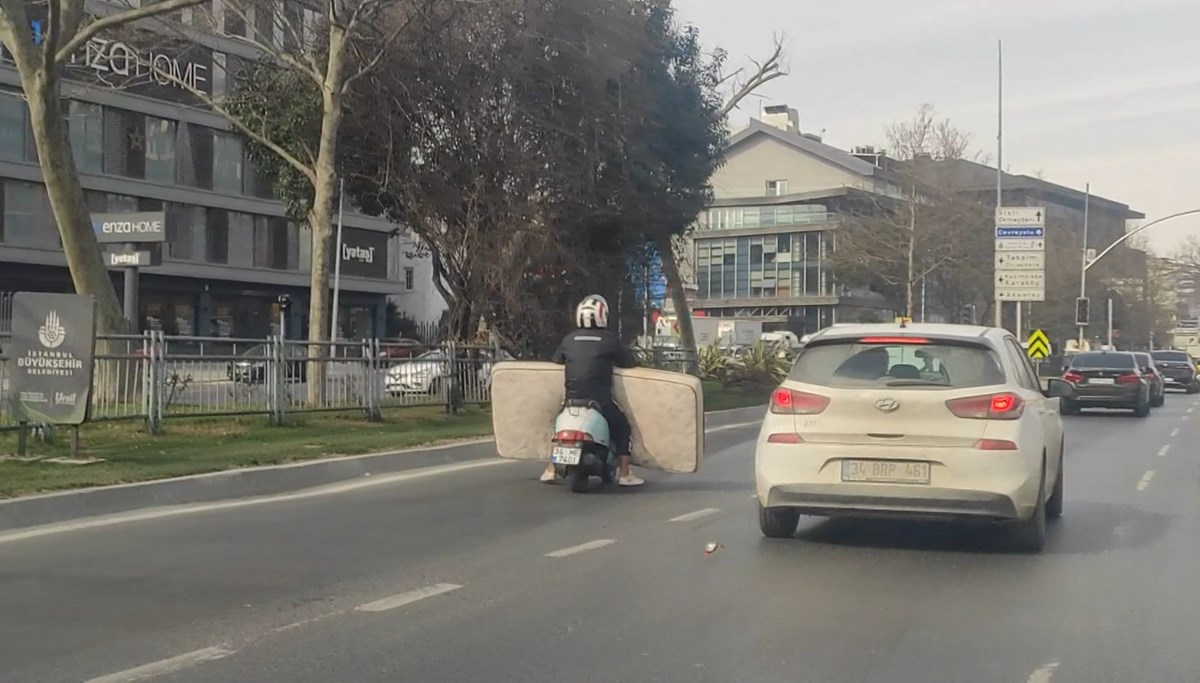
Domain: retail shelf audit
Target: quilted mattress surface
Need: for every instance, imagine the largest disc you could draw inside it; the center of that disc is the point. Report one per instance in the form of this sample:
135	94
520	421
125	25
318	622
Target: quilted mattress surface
665	409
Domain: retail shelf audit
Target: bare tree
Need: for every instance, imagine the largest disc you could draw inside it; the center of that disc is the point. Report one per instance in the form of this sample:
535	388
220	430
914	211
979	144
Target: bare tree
322	49
64	28
898	239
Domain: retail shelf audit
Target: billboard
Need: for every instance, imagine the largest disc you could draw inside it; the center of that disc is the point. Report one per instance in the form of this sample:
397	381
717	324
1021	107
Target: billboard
125	228
50	357
364	253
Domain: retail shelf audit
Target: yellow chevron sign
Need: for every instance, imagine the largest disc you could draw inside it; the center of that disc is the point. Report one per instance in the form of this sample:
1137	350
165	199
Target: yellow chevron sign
1038	345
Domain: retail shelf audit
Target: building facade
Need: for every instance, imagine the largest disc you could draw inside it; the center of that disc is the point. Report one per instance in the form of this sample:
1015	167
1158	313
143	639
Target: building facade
763	250
231	251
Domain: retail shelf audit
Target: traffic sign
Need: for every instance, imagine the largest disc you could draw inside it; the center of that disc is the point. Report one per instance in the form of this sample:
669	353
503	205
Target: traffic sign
1021	260
1038	345
1010	232
1020	285
1010	244
1025	216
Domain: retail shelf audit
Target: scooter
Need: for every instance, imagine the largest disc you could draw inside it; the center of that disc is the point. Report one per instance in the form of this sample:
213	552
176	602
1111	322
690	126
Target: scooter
581	448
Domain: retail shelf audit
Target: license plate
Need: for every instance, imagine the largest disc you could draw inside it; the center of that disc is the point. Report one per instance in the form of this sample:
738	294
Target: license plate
885	471
1101	380
566	455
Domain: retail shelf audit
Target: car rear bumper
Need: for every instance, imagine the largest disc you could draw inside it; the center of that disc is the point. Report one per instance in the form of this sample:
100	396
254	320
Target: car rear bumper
882	500
964	482
1115	396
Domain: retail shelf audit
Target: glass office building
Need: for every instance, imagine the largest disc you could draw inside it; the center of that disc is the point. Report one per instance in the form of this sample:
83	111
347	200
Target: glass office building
143	146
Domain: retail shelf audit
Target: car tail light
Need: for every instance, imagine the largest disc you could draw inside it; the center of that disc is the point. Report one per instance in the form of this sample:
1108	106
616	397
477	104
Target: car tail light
893	340
995	445
785	437
1073	377
1003	406
1129	378
572	436
790	402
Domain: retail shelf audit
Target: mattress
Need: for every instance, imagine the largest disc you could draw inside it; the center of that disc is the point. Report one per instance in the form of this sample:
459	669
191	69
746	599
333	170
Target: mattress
665	409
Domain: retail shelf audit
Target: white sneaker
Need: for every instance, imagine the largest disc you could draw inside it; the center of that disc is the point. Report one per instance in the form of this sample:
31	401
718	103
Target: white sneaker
549	476
630	480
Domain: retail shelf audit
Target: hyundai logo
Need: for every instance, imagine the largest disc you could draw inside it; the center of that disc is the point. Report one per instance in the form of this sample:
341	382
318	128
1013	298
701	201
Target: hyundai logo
887	405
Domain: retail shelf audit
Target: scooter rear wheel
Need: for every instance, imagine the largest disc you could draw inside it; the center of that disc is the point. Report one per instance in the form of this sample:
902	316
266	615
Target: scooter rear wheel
579	480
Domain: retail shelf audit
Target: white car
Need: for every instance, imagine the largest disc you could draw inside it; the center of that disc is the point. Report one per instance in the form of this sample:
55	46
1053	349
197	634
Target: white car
426	373
923	421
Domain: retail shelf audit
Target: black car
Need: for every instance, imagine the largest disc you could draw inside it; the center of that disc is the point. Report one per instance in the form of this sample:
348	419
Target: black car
251	367
1177	370
1107	379
1158	385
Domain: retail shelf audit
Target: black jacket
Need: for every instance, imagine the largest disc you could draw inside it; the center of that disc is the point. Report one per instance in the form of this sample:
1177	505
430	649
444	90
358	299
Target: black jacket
590	356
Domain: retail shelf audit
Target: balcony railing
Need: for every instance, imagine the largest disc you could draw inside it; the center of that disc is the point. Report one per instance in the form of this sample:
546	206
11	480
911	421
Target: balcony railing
741	218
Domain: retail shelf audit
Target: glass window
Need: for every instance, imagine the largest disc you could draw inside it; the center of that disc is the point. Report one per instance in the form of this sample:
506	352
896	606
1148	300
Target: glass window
241	240
124	143
216	243
227	163
219	75
847	363
185	233
271	246
409	278
160	150
122	203
1103	361
12	126
85	123
28	220
196	157
1026	377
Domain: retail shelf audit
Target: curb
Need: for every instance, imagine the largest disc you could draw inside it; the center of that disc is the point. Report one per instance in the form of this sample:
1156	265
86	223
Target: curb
252	482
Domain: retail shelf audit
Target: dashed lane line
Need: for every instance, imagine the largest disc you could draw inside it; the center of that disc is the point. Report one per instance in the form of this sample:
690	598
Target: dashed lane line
164	666
1145	482
408	598
1163	451
1044	674
581	548
695	515
1175	432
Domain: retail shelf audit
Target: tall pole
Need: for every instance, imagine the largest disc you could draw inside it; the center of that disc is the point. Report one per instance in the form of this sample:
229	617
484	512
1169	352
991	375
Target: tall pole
1083	259
1110	338
999	150
922	299
337	264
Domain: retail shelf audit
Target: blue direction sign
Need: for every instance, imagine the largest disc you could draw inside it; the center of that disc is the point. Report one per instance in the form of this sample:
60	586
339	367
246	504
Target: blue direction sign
1003	231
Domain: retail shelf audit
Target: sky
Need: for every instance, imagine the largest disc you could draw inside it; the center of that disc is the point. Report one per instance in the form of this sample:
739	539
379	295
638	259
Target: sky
1105	92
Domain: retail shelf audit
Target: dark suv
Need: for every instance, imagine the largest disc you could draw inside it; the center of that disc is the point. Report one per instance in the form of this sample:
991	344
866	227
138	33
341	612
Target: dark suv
1107	379
1177	370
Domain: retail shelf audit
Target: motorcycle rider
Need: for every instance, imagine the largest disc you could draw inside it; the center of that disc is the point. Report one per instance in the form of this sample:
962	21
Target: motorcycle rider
590	353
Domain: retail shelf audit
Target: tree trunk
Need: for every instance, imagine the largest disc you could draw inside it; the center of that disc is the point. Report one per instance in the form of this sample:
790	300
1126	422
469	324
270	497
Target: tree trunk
84	259
116	380
320	218
683	313
910	274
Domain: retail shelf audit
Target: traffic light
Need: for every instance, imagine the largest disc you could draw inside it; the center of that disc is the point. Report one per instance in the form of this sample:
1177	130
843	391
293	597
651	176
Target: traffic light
1082	311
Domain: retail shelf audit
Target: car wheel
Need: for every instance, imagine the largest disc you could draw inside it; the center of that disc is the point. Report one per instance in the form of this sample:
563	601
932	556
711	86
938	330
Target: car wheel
1029	535
1142	409
778	522
1160	400
1054	506
1193	389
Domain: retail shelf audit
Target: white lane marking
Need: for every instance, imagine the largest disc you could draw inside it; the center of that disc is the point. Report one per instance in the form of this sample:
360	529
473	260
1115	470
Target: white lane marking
695	515
408	598
582	547
1145	482
1044	674
165	666
1175	432
333	489
1183	417
1163	451
1191	409
739	425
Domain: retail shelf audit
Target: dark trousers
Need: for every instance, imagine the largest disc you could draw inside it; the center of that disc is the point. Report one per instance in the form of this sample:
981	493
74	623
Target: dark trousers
618	427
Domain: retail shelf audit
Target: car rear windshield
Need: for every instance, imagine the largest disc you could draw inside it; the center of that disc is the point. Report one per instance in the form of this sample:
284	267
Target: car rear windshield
1172	356
864	363
1103	361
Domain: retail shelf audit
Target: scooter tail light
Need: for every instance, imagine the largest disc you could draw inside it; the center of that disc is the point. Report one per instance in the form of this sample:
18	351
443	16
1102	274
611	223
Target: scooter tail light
572	436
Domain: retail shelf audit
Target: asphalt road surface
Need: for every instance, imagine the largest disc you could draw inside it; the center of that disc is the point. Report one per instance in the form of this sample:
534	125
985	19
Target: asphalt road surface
477	572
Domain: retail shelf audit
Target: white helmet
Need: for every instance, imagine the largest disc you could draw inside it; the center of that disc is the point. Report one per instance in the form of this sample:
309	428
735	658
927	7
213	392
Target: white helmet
592	312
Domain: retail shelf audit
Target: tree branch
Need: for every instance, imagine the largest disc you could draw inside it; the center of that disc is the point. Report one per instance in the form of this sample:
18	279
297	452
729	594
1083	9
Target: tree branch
114	20
766	72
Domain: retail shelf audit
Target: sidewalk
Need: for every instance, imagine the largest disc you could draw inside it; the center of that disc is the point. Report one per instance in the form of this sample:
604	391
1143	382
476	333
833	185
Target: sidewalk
52	508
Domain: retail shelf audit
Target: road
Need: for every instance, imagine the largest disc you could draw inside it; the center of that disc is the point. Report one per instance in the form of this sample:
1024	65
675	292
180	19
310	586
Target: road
479	573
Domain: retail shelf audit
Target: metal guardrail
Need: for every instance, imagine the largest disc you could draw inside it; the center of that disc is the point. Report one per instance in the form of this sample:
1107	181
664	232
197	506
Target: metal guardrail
156	377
